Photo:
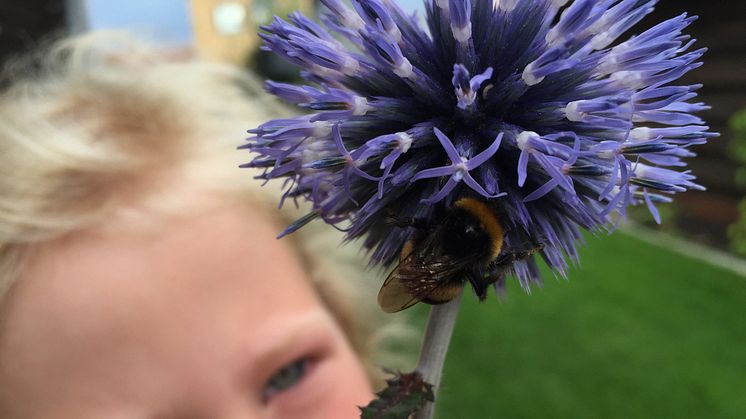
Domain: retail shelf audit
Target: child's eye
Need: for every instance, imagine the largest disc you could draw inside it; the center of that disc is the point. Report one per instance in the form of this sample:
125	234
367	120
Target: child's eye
286	378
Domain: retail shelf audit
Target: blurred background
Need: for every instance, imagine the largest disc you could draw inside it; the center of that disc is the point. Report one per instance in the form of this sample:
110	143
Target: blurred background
652	325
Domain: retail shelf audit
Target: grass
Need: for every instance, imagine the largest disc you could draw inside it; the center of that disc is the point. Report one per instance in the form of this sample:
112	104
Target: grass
637	332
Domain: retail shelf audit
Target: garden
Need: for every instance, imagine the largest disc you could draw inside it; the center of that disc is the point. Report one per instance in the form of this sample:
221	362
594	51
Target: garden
641	331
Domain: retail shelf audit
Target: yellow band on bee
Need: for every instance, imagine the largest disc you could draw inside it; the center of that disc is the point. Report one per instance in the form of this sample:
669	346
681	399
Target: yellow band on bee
488	218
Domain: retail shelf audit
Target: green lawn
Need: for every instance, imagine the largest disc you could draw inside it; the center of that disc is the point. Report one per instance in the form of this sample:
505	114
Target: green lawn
637	332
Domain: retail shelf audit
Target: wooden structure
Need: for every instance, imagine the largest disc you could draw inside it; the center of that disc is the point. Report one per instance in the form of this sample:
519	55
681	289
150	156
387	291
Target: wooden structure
237	40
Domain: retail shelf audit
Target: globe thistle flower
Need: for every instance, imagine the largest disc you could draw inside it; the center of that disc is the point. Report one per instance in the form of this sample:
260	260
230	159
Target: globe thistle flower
536	106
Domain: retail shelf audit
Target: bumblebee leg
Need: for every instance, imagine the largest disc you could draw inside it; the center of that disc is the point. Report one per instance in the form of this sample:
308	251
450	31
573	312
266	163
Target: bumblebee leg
500	267
522	254
512	256
505	259
482	283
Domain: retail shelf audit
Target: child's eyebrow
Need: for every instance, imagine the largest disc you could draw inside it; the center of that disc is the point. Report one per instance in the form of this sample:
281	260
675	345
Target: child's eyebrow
286	341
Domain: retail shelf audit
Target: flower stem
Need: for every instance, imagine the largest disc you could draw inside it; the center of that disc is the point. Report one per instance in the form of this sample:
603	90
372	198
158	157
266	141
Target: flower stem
438	334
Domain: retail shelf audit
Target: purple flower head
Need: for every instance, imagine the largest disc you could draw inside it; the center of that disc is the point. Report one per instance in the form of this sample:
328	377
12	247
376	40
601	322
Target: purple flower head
534	106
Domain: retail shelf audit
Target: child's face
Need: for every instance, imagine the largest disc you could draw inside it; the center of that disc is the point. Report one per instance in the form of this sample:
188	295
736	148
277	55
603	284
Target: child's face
210	318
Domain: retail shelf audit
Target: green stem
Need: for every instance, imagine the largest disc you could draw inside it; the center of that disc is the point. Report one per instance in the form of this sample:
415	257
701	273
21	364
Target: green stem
438	334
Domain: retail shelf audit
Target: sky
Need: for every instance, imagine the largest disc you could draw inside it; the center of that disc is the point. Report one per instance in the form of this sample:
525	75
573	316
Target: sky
165	20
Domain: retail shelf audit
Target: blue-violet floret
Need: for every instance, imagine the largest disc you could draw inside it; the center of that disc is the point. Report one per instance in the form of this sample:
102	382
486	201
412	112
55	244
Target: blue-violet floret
536	106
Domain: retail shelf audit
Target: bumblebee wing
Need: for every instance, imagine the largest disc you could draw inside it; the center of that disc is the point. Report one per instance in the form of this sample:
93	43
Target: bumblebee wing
419	275
394	296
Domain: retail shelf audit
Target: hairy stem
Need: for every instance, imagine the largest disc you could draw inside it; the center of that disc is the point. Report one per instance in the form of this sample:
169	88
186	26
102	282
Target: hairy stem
438	334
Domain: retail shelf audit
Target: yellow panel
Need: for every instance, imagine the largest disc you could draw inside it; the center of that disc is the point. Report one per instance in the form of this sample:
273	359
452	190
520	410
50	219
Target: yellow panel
234	48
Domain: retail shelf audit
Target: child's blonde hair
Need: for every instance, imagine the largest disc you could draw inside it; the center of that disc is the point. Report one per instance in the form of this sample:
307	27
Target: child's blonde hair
90	127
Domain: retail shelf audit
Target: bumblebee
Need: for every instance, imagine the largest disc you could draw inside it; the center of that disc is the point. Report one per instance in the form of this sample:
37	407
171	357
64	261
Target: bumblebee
467	244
